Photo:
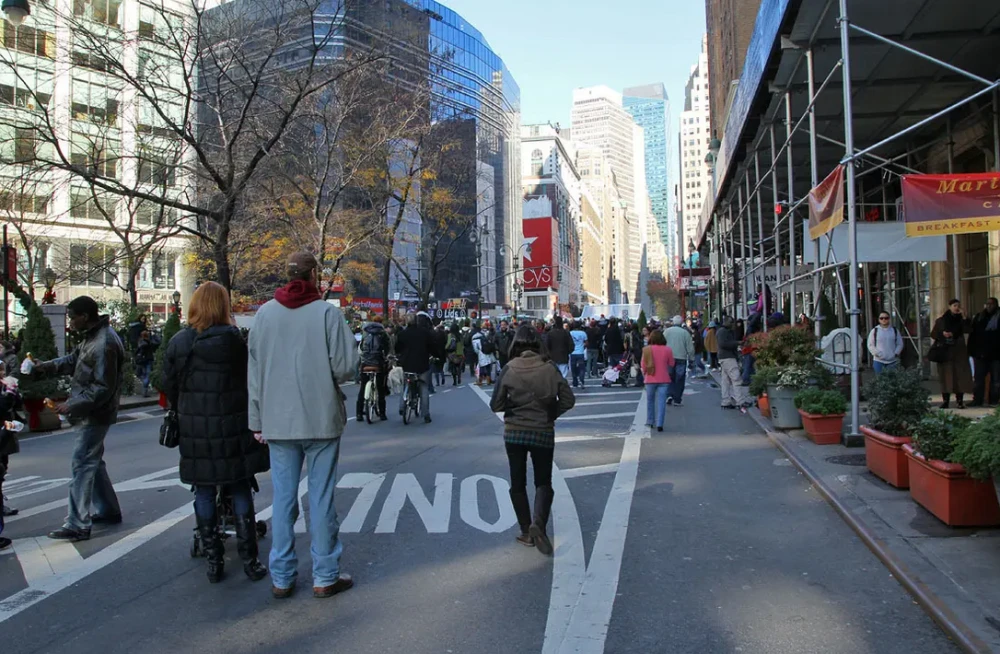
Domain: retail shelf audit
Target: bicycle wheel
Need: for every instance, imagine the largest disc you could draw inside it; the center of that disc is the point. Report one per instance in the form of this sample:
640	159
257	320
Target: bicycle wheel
407	408
368	411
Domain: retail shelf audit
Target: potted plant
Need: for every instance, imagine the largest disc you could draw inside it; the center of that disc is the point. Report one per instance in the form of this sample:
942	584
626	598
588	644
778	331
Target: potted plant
897	400
39	341
942	487
788	381
977	449
822	414
758	387
170	329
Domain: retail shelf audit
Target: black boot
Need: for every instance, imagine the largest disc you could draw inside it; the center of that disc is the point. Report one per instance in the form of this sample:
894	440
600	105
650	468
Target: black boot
246	545
543	506
960	400
522	509
947	400
212	545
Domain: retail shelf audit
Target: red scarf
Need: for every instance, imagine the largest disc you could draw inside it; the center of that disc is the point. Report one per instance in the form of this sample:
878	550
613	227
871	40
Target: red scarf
296	293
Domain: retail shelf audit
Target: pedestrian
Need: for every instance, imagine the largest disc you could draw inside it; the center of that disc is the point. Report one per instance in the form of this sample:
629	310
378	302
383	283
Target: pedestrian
135	330
438	358
10	401
301	350
455	350
614	342
682	345
559	345
484	345
205	381
698	338
532	395
657	361
577	358
416	345
144	360
949	336
734	393
885	344
374	359
96	366
633	345
468	333
505	336
984	346
712	344
593	349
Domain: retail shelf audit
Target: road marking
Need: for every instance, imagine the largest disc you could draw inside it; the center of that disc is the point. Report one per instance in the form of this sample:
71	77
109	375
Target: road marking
469	505
435	516
603	402
621	392
573	439
599	416
42	558
39	486
590	470
300	522
369	483
10	483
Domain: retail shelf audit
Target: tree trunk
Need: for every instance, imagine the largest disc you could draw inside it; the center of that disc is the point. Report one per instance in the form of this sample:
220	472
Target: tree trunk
133	294
220	253
386	267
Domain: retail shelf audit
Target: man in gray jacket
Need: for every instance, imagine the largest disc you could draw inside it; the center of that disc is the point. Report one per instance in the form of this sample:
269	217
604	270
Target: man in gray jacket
734	393
300	351
681	343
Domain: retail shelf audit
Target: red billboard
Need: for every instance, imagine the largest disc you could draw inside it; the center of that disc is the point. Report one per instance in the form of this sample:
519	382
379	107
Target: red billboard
951	204
540	266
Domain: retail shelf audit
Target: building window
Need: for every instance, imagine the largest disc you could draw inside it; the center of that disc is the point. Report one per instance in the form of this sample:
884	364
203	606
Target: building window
105	12
154	169
30	40
162	270
22	203
92	265
84	206
152	214
537	165
25	145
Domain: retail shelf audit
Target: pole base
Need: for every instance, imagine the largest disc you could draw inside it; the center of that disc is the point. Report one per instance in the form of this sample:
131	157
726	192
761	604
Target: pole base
853	440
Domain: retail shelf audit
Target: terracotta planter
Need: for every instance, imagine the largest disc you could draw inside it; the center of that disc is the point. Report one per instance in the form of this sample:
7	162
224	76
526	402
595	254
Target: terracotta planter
950	494
163	400
823	430
764	405
885	457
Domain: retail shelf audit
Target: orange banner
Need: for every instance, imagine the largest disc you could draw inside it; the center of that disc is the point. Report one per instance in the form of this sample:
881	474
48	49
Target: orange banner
951	204
826	204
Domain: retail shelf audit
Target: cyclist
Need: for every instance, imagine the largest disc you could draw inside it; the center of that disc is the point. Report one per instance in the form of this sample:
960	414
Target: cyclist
415	346
374	358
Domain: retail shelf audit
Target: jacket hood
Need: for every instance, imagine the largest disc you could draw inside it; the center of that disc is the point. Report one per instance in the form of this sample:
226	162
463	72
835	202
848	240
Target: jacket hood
528	361
297	293
374	328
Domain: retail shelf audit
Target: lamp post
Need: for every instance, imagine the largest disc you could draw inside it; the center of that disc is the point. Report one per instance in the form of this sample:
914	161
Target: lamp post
16	10
518	282
49	278
177	303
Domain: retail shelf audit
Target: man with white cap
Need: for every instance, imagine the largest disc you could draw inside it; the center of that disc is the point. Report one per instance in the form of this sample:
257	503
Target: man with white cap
680	341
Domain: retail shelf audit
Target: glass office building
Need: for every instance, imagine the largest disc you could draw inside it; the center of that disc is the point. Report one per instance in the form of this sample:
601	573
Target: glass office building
649	107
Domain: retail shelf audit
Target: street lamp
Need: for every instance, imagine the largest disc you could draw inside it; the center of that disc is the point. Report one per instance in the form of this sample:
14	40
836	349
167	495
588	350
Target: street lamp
49	278
16	10
177	303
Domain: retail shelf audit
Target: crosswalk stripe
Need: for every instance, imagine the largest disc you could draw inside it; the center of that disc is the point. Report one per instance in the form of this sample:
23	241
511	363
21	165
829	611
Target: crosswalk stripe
598	416
599	403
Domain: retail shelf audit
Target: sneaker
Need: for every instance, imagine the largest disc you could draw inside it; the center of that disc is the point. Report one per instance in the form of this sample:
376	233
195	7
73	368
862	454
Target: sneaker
70	534
427	419
678	403
7	511
283	593
670	401
5	543
344	582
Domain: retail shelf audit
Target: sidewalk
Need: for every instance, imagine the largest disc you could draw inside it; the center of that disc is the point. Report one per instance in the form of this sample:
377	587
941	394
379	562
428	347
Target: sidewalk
954	574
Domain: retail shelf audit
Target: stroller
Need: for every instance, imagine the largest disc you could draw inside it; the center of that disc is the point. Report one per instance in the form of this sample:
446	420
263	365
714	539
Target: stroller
620	373
226	519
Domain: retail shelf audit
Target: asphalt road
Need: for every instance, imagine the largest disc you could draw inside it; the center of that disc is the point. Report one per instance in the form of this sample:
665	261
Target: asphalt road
698	539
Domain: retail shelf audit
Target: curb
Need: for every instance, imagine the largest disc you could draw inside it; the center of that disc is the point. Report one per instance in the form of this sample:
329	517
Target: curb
963	635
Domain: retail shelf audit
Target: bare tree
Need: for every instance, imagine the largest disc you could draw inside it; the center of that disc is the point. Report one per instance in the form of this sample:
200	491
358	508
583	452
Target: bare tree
24	205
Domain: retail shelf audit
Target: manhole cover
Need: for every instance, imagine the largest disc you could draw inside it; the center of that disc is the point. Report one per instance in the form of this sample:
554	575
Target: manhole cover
847	459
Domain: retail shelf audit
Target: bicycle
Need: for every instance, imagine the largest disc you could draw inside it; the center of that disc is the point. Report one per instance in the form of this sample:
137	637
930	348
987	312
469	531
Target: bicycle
372	393
412	393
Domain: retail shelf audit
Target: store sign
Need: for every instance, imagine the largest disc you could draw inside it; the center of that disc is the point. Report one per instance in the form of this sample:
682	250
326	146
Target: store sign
934	205
826	204
539	269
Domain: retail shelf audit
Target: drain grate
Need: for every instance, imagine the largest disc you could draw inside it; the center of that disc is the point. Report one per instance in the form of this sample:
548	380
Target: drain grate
847	459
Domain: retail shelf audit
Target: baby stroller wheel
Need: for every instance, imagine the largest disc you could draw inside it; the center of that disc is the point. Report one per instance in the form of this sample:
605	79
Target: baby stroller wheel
261	529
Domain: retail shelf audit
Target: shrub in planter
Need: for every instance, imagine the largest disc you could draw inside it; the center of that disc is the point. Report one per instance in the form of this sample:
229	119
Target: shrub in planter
787	380
765	375
170	329
943	488
787	346
977	448
897	400
822	414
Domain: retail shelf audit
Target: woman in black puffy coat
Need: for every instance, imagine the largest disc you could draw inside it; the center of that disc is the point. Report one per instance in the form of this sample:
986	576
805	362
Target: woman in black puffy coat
205	380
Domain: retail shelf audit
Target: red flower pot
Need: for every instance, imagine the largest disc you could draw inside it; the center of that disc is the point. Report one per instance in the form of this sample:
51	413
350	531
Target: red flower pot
885	457
954	497
764	405
164	404
823	430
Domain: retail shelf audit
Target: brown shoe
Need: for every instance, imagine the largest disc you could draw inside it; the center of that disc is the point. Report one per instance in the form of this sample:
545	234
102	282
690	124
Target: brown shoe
344	582
282	593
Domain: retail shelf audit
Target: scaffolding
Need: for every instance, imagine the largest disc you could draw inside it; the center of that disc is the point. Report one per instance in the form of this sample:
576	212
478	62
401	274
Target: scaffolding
728	226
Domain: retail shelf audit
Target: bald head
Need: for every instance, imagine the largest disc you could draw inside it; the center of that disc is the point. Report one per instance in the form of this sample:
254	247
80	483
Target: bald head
301	265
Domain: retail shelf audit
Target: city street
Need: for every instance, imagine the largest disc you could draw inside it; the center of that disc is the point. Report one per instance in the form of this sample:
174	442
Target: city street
702	538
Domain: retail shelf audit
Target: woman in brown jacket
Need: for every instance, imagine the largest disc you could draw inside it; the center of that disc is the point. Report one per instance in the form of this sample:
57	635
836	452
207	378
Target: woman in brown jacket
532	394
955	374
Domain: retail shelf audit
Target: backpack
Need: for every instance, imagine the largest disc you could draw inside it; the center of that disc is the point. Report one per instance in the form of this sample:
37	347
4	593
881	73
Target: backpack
487	346
467	340
876	331
452	344
371	343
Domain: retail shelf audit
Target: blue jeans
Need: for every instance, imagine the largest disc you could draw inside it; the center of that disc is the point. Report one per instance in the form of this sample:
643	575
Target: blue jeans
204	499
748	368
91	486
321	459
142	371
884	367
678	376
592	357
577	364
656	403
425	395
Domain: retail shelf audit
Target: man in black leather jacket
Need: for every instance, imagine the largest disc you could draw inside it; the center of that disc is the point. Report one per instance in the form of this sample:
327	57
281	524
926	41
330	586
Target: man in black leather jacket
415	346
374	357
96	367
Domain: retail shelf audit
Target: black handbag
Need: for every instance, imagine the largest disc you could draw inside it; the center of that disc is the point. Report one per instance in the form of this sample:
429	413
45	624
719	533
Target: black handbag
939	352
170	430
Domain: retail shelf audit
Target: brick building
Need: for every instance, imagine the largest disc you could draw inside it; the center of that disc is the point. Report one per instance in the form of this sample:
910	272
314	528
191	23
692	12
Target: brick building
731	23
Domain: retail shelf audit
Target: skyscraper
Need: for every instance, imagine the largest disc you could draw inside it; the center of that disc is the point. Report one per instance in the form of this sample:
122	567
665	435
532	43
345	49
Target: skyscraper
695	178
650	108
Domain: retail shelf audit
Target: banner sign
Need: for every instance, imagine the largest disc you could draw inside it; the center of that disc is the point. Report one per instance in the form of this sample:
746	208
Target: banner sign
934	205
542	237
826	204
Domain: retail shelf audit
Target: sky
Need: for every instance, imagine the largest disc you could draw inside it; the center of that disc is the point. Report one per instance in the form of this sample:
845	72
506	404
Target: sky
554	46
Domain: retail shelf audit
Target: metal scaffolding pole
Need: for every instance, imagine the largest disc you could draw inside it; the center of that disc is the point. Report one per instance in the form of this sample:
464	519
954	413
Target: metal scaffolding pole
956	273
791	201
732	261
752	287
813	182
760	233
742	300
777	225
853	439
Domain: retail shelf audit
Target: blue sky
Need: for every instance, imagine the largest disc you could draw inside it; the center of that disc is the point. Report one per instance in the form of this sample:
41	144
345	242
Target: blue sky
554	46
